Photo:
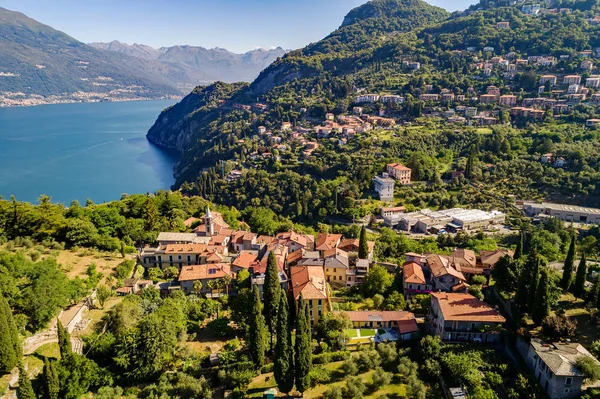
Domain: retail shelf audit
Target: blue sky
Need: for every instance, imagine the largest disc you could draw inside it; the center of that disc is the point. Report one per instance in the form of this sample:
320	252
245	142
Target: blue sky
237	25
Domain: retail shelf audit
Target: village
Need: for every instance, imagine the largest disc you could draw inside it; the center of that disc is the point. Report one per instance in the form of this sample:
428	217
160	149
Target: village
213	254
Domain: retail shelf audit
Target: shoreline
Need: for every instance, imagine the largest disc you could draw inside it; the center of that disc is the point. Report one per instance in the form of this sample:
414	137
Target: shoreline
177	98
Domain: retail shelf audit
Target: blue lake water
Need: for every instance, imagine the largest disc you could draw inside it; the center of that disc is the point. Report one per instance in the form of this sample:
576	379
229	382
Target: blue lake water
80	151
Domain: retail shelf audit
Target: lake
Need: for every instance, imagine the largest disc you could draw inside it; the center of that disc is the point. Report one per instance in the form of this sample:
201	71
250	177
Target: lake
80	151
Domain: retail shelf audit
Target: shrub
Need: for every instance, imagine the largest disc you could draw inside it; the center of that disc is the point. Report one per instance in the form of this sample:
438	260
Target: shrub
339	356
355	389
124	269
35	256
589	368
267	368
319	376
333	393
381	378
232	345
349	367
322	358
559	326
220	327
368	360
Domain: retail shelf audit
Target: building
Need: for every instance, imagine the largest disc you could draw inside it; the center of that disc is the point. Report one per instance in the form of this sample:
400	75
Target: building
393	211
587	65
399	172
309	282
572	80
444	277
391	99
205	274
567	213
165	238
366	98
384	186
296	241
553	366
548	78
487	98
508	100
592	123
414	280
592	82
531	9
464	318
470	112
401	321
503	25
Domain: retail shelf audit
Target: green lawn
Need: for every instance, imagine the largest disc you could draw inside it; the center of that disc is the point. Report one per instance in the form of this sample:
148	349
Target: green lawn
352	333
361	333
368	332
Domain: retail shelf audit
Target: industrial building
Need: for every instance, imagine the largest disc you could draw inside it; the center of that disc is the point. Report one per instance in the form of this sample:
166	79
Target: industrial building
452	220
568	213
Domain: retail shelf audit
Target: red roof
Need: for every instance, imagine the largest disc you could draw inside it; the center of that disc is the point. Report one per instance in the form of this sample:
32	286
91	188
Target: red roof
465	307
413	273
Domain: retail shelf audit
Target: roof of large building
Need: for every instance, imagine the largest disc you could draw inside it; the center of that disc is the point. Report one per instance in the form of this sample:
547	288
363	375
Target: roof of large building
465	307
204	272
490	258
563	207
308	281
405	320
413	273
303	240
398	166
463	257
177	237
561	357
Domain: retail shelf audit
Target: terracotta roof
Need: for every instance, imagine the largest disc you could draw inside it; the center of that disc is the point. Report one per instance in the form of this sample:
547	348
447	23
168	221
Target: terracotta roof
244	260
465	307
383	316
398	166
260	267
294	256
490	258
238	237
185	248
463	257
204	272
291	236
266	240
407	326
335	252
413	273
327	241
440	266
460	287
394	209
310	281
219	239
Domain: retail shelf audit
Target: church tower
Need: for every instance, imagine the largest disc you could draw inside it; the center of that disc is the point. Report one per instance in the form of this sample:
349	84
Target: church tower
209	224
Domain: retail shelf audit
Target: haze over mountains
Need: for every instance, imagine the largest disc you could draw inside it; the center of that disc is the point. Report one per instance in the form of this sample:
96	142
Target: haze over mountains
209	64
39	64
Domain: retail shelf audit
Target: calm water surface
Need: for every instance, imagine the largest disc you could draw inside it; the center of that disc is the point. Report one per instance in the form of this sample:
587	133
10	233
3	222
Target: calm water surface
79	151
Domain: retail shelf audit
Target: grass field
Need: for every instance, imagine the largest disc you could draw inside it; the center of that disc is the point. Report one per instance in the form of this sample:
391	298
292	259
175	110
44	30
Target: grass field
360	333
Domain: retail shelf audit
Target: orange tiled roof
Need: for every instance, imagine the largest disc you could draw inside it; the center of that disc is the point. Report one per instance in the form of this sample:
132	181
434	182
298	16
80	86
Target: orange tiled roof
204	272
465	307
245	260
308	281
413	273
398	166
327	241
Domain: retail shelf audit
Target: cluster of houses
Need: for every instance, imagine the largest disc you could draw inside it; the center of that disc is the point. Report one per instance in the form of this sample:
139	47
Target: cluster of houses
210	258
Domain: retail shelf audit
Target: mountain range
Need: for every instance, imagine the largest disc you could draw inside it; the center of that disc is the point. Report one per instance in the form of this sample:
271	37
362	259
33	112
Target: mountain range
370	52
40	64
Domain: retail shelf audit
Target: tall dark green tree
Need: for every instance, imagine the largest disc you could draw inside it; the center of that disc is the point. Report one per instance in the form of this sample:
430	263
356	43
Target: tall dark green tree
272	291
363	244
522	295
541	307
25	389
51	381
10	347
284	352
257	329
519	249
568	268
580	277
64	341
534	279
303	361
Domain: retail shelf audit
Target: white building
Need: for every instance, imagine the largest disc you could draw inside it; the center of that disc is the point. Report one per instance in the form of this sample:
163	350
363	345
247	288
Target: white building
384	186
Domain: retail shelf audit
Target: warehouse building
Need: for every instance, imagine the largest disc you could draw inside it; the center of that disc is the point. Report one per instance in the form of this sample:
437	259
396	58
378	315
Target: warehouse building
568	213
451	220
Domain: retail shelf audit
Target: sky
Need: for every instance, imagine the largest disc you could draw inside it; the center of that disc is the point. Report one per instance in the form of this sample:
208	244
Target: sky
237	25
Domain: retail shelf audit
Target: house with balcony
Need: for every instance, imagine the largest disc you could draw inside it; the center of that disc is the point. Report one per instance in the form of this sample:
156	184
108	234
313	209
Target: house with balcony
463	318
403	322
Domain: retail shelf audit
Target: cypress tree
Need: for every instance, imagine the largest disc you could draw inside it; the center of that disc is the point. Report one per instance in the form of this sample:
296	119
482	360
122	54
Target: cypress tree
534	279
10	349
519	249
363	244
541	307
271	292
64	341
594	297
284	353
256	331
579	287
25	388
565	282
303	361
522	295
51	381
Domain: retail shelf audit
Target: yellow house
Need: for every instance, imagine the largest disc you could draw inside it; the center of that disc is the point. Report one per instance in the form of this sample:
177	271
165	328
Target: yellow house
310	282
335	267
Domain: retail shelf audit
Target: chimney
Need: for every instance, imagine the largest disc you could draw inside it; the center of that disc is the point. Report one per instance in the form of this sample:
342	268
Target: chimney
447	297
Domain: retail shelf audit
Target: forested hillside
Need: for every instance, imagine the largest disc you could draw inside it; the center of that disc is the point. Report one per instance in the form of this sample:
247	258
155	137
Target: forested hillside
377	50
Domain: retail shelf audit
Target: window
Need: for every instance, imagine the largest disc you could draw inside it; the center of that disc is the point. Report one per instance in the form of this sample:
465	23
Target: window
320	302
410	286
568	380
